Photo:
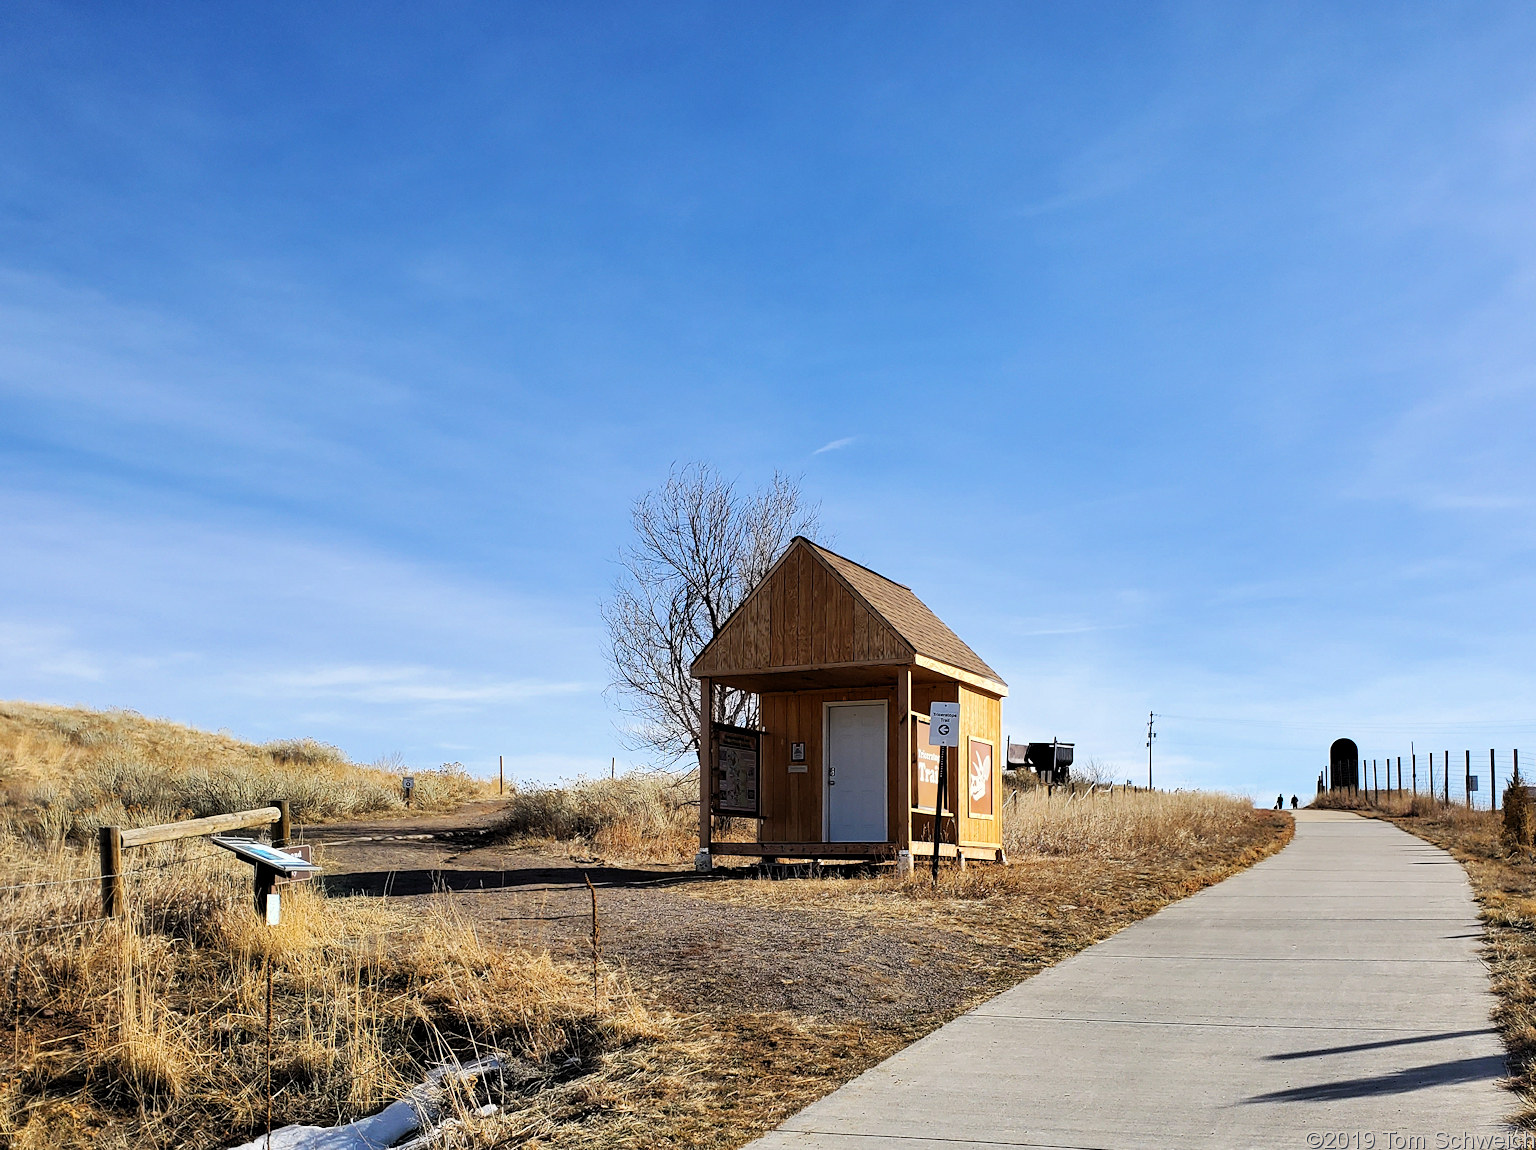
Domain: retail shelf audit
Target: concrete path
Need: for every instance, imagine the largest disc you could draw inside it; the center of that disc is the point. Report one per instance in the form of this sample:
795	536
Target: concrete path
1333	989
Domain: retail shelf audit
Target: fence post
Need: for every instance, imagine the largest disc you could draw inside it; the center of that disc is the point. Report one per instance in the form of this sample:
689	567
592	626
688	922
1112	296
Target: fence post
1493	783
114	901
1414	765
1447	778
1468	780
282	830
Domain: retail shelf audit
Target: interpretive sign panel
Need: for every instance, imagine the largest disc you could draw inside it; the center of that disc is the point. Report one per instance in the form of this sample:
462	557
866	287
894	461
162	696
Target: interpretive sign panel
925	770
980	787
260	854
738	759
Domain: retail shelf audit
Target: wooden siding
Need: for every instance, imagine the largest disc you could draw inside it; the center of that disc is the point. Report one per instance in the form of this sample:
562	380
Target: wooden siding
981	717
803	615
792	803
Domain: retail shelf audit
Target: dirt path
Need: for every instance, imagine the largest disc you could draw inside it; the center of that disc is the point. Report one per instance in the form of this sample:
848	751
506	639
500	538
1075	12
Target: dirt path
682	948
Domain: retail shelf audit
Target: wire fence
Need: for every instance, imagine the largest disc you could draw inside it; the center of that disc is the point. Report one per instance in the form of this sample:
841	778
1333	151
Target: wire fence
1471	778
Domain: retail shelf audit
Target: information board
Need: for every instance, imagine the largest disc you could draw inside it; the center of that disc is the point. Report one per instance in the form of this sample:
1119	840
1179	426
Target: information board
738	759
925	770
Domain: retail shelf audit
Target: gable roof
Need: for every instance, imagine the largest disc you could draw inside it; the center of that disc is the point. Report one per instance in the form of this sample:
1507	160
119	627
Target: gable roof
907	615
816	608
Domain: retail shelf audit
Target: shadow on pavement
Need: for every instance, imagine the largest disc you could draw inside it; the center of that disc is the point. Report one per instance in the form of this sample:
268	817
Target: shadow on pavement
1323	1051
1484	1069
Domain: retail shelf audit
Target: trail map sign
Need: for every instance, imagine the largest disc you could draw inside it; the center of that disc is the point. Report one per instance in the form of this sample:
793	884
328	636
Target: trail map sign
738	759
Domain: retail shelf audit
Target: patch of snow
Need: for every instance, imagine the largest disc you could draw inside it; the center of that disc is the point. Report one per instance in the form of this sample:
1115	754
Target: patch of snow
418	1111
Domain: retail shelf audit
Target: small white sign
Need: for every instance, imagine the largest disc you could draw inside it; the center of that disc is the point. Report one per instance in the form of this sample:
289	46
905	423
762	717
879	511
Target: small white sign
944	725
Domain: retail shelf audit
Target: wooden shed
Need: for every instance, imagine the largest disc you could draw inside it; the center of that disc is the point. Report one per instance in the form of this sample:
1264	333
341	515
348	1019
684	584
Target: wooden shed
845	664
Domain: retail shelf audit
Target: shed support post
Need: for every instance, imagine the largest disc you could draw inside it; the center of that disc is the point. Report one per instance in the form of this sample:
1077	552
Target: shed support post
702	860
282	830
904	751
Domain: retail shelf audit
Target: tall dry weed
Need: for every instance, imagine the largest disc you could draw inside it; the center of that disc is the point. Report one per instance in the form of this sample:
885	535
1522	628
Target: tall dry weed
1118	824
152	1029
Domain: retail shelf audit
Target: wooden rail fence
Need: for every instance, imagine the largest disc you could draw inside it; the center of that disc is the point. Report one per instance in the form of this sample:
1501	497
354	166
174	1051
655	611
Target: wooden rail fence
114	840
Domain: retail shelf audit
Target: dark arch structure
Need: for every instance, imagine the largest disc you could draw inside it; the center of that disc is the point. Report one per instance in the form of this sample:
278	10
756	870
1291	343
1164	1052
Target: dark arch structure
1344	765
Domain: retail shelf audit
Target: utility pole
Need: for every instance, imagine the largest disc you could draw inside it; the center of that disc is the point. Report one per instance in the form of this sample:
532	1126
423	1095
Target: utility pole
1151	734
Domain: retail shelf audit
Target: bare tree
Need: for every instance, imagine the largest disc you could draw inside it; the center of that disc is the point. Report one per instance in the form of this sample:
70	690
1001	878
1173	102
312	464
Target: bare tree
698	551
1097	772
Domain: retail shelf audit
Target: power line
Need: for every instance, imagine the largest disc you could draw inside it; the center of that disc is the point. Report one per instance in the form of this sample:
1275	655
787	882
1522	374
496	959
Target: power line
1341	724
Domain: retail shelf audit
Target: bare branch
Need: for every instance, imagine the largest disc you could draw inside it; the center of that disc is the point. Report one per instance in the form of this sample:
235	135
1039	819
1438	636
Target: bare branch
699	549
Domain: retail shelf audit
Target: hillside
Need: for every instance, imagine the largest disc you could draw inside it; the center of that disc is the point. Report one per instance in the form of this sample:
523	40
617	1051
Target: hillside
65	771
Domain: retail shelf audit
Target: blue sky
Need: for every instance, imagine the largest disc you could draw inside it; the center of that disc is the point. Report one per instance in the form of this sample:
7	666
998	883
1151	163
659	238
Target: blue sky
1180	356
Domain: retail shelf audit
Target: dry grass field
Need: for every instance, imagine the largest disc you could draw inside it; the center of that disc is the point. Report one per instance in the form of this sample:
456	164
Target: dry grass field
1503	878
65	771
153	1030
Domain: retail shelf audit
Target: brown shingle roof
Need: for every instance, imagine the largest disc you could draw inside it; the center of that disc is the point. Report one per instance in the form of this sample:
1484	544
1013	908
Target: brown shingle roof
908	615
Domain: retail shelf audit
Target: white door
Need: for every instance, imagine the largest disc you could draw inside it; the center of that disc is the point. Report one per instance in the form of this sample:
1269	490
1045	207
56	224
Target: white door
856	773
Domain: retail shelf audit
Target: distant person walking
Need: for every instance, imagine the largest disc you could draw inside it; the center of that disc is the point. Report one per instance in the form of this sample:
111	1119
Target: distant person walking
1294	802
1279	802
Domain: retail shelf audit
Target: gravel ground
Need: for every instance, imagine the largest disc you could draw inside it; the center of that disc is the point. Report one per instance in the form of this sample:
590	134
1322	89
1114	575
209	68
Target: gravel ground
686	952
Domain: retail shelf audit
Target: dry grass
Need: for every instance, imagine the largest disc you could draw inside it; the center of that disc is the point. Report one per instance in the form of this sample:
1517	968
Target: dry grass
1504	882
66	771
639	815
152	1031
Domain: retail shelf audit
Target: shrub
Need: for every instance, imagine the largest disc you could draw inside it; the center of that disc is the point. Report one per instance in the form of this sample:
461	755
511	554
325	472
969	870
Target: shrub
1517	815
639	813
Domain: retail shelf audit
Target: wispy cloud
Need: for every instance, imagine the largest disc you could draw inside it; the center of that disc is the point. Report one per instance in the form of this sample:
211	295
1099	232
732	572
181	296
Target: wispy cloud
834	445
45	652
365	683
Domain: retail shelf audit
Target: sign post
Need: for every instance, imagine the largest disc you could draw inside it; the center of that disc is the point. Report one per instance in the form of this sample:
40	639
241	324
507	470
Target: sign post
943	732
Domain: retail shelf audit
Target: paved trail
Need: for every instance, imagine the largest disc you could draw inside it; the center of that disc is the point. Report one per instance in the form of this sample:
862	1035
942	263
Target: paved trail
1332	988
